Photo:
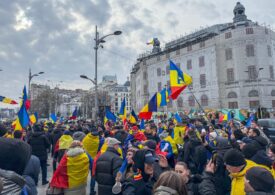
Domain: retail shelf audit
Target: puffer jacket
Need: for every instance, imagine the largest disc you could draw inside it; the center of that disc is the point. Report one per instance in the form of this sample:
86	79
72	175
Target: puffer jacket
207	186
237	184
39	143
12	182
163	190
107	166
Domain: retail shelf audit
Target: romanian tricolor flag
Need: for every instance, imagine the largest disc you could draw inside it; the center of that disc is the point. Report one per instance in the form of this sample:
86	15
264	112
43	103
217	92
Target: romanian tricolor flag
16	125
23	115
122	111
164	97
74	116
133	117
178	80
109	116
72	171
225	117
63	143
152	106
34	118
7	100
91	144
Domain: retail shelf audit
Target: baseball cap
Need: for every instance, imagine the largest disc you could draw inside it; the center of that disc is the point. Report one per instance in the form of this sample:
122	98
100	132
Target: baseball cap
149	158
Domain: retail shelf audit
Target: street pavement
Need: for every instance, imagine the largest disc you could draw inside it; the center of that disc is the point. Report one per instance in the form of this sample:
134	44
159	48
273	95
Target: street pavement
42	188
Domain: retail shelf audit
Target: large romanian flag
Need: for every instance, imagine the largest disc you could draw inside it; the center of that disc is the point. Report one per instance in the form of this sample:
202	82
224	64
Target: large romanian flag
7	100
178	80
71	172
152	106
63	143
133	117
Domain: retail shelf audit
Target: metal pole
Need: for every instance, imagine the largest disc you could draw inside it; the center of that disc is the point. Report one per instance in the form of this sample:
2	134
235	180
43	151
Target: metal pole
258	84
96	95
29	87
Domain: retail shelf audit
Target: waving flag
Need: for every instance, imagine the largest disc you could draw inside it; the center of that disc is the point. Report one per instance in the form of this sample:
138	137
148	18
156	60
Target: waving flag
250	120
133	117
53	117
122	112
7	100
74	116
178	118
178	80
23	115
164	97
152	106
34	118
109	116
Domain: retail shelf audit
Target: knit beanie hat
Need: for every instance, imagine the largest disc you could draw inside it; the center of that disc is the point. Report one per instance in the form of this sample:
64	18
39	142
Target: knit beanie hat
260	179
249	150
234	158
14	155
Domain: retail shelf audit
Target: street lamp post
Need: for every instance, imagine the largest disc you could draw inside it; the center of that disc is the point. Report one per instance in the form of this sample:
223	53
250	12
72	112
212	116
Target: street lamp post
30	78
99	41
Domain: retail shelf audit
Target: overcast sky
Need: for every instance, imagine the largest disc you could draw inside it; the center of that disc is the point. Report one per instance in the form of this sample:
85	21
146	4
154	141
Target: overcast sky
56	36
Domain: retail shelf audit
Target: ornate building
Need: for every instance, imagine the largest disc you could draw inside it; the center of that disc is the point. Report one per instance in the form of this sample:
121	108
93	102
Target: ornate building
232	66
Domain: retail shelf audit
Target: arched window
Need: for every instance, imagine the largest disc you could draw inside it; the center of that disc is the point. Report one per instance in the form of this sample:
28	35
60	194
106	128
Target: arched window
253	93
191	101
180	102
273	93
232	94
204	100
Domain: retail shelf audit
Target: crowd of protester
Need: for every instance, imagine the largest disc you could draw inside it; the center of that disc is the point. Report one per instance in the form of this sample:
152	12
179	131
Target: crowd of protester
165	157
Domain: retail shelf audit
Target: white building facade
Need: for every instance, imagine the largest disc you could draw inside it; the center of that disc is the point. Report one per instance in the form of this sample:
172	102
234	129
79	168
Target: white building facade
232	66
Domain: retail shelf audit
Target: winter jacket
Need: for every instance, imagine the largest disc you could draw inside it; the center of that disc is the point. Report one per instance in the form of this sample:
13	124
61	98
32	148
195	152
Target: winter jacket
207	186
138	187
163	190
12	182
55	135
237	184
33	168
107	166
39	143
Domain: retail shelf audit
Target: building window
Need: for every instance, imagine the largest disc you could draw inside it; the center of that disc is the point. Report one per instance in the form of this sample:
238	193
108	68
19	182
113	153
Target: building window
254	104
252	73
204	100
273	93
189	48
158	72
178	52
145	75
158	58
228	54
159	86
249	31
250	50
167	55
191	101
189	64
271	71
203	80
180	102
269	51
253	93
230	75
228	35
266	31
202	44
232	105
201	61
145	89
232	94
273	103
167	69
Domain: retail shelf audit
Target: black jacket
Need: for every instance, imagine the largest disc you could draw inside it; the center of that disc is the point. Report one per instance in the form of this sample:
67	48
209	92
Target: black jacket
55	135
107	166
39	143
207	186
139	187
